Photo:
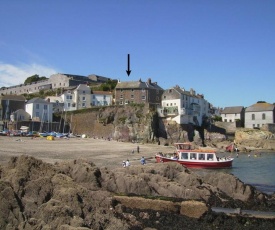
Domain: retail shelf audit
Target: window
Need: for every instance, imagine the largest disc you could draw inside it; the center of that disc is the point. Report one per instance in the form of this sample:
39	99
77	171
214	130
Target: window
83	104
83	92
225	120
83	98
143	97
121	102
132	90
37	106
263	116
193	156
69	105
184	156
37	114
121	90
210	157
132	96
45	106
201	156
253	116
93	96
164	97
121	96
143	90
104	97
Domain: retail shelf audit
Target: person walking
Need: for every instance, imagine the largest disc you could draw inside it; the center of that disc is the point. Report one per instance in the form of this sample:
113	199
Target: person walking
137	149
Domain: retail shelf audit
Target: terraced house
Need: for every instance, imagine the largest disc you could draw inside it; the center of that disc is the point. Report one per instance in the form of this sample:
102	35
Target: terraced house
138	92
183	107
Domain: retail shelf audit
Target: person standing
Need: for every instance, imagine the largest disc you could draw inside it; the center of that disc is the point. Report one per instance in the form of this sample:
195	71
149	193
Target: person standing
124	164
137	149
143	161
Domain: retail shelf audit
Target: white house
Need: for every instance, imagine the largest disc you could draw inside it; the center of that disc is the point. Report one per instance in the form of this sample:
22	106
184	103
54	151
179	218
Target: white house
233	113
101	98
76	98
57	102
40	109
259	114
184	107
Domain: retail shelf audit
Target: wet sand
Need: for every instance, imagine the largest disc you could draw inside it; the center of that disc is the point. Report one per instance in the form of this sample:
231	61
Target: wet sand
101	152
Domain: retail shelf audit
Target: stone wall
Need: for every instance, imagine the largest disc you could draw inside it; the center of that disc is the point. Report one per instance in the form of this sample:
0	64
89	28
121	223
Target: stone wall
269	127
230	127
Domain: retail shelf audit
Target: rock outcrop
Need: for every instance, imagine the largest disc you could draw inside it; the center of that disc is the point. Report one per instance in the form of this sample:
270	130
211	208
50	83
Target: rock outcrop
79	195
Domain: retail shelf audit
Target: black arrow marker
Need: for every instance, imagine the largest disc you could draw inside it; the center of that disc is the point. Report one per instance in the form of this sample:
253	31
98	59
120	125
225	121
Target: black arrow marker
128	71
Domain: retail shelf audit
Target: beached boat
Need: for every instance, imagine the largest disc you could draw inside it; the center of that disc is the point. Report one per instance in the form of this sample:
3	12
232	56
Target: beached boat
195	158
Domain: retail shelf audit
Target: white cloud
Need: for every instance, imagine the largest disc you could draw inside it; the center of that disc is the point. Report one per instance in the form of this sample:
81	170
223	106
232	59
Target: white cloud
16	74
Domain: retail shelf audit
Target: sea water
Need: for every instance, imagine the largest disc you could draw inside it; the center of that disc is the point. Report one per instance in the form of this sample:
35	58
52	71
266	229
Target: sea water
257	169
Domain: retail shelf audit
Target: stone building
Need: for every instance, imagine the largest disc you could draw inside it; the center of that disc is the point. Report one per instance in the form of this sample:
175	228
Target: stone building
138	92
259	114
54	82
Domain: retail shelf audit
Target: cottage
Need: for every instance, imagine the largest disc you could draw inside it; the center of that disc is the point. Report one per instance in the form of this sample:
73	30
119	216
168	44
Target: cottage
233	114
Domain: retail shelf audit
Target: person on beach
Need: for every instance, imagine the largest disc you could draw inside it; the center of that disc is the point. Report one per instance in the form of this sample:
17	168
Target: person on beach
143	161
133	151
128	163
137	149
124	164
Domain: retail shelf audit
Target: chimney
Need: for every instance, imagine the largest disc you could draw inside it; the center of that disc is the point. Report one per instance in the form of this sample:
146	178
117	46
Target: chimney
149	81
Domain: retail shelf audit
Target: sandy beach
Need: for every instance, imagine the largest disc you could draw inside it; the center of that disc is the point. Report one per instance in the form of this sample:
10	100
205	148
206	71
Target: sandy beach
101	152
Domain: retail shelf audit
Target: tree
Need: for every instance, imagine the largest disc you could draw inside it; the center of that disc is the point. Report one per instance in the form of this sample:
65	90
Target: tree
34	78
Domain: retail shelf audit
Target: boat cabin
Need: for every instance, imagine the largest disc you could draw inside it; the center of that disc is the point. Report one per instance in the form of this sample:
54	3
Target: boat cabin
196	156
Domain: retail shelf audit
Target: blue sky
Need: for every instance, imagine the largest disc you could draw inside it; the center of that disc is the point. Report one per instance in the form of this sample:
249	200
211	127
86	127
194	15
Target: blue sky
224	49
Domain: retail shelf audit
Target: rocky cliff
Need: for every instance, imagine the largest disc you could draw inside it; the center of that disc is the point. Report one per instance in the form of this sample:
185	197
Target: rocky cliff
140	123
79	195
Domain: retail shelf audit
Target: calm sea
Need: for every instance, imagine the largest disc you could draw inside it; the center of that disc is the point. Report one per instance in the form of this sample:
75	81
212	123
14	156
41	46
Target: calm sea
257	171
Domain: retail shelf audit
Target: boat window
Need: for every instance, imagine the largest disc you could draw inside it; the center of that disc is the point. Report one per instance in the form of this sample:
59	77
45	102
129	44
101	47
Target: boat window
193	156
202	156
184	156
210	157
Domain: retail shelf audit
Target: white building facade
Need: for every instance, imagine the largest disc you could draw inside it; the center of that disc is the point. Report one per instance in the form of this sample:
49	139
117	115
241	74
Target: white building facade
259	114
101	98
77	98
183	107
40	110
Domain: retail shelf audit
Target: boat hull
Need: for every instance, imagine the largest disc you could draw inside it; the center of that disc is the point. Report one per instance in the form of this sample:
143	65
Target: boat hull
197	164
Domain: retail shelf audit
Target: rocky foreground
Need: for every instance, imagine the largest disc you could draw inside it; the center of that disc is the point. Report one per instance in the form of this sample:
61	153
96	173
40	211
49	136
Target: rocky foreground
79	195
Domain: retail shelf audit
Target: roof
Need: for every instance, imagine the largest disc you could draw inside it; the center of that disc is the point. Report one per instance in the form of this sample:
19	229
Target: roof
258	107
13	97
232	109
37	100
138	85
